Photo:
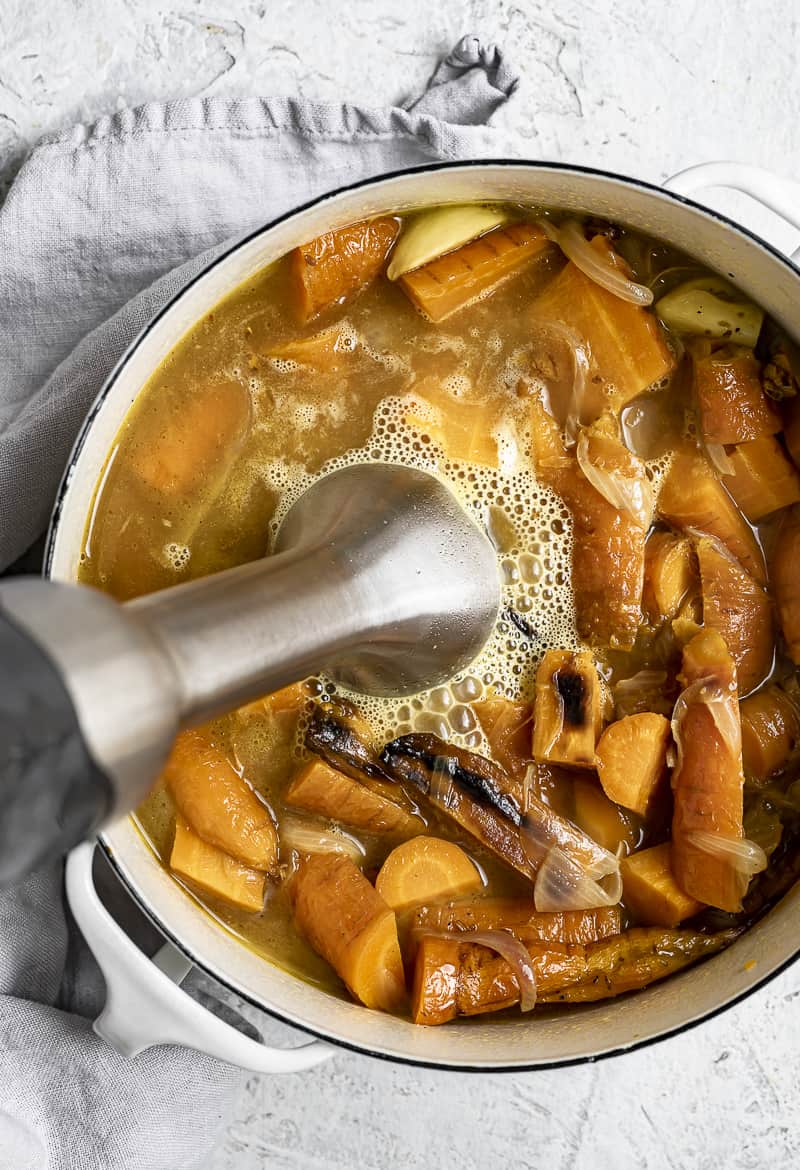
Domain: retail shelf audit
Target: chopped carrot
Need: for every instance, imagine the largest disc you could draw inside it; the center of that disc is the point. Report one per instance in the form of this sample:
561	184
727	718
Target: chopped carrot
218	804
215	872
350	925
426	869
566	709
336	266
650	891
552	462
288	702
670	575
786	580
693	498
319	788
770	731
733	406
194	438
632	759
520	916
739	609
452	281
324	351
507	727
458	978
604	821
628	352
462	428
762	480
707	782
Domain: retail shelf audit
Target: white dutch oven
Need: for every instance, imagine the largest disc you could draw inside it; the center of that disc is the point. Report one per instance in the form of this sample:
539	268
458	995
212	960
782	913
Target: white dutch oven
145	1005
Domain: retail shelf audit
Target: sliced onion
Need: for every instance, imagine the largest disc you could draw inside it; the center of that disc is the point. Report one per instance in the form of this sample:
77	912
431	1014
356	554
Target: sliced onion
640	693
304	836
745	856
509	947
626	493
581	357
442	787
563	884
717	454
542	830
597	267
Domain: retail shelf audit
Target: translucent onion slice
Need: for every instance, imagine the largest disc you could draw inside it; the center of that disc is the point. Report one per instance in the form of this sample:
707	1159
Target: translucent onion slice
626	493
580	354
745	856
563	884
442	786
643	691
304	836
723	707
509	947
599	268
717	455
542	830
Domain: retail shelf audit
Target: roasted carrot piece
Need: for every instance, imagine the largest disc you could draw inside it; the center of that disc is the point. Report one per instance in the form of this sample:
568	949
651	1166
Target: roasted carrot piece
567	714
454	280
739	609
520	916
786	580
194	440
770	731
215	872
350	925
287	703
426	868
733	406
608	554
632	759
650	891
693	498
626	343
457	978
670	575
763	480
707	782
462	428
335	267
319	788
507	727
326	350
604	821
218	804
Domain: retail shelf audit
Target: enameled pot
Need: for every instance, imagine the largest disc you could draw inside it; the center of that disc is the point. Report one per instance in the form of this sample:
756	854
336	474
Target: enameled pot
145	1004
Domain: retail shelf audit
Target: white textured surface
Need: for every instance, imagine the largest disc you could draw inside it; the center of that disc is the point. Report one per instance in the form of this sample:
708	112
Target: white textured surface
640	88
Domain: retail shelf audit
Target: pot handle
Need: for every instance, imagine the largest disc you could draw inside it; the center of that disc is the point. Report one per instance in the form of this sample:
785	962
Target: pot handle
145	1005
779	194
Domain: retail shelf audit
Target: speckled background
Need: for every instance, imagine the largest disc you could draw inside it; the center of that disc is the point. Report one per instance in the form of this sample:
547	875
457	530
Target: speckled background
640	88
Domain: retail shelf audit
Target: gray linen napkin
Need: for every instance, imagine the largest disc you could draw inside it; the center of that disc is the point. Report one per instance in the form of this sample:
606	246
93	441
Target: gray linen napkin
103	224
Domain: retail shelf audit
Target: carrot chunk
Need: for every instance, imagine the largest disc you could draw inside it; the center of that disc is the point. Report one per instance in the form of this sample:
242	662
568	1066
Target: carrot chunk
739	609
627	346
786	581
650	891
670	575
319	788
567	714
351	926
425	868
458	978
454	280
763	480
507	727
215	872
693	498
520	916
604	821
733	406
708	781
194	440
632	760
770	731
336	266
218	804
324	351
463	429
